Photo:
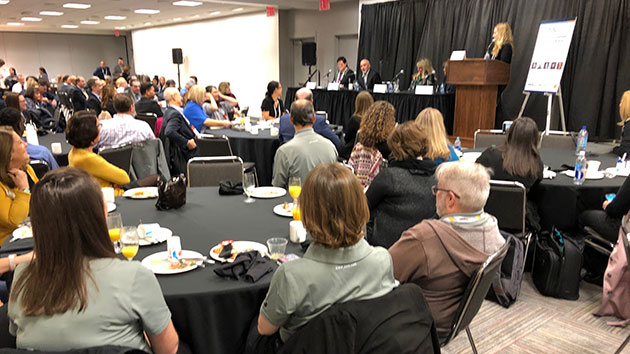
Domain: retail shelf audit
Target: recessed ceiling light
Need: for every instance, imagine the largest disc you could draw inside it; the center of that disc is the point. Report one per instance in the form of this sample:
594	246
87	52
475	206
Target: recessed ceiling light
31	19
195	16
51	13
238	9
147	11
214	13
147	23
90	22
120	27
177	19
15	24
187	3
69	26
4	2
72	5
115	18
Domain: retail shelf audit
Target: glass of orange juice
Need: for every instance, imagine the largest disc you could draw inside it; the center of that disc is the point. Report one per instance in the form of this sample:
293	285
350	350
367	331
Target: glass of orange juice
295	187
297	215
129	242
114	226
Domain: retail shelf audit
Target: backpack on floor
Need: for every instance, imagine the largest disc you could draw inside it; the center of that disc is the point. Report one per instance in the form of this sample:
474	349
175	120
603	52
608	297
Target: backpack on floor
557	265
507	284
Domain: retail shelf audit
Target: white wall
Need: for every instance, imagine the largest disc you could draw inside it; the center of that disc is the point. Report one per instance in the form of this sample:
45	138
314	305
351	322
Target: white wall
59	53
242	50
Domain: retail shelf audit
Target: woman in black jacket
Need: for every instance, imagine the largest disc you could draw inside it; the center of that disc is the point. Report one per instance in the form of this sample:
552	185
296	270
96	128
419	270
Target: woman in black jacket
624	115
400	195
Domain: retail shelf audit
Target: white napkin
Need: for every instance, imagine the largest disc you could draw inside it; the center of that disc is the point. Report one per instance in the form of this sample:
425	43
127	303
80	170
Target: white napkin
549	174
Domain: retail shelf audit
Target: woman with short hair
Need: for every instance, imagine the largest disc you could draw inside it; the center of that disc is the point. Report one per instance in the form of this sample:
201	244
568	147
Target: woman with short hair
91	298
400	195
438	148
334	212
194	110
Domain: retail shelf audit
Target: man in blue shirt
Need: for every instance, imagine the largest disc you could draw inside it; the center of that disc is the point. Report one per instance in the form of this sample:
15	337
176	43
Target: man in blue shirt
320	126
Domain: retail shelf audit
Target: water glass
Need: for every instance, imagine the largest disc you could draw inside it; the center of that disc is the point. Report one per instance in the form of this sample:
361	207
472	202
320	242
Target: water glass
277	247
249	183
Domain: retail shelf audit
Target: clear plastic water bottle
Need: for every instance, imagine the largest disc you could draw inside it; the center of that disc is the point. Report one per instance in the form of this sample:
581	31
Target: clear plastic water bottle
580	169
582	140
458	146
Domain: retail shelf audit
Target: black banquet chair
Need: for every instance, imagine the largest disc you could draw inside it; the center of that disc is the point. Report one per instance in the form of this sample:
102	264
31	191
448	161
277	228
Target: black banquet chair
210	171
119	156
485	138
40	167
148	117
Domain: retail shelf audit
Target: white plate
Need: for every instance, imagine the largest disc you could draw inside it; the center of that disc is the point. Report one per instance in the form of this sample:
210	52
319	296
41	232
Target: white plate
280	210
22	232
470	156
141	193
238	246
160	236
158	263
624	172
111	207
268	192
592	175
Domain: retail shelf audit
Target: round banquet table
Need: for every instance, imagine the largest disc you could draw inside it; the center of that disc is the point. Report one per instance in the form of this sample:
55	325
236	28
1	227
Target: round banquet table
259	149
211	314
48	139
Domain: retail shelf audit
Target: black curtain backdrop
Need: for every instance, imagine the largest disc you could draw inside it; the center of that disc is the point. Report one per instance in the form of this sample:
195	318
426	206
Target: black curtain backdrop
394	35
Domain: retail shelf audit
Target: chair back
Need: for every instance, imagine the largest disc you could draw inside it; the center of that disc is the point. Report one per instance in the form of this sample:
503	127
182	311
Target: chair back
148	117
562	141
210	171
64	98
119	156
210	145
485	138
476	292
508	203
40	167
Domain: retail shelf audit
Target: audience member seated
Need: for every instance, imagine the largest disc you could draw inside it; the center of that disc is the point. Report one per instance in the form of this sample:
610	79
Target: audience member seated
215	107
95	87
121	85
123	128
102	71
320	126
441	255
607	221
344	75
11	117
371	152
177	130
226	90
367	77
82	133
20	85
98	299
190	83
400	195
47	96
107	99
147	103
424	76
134	90
194	110
334	212
33	97
624	115
16	179
171	83
79	96
305	151
16	101
438	148
272	106
444	87
351	125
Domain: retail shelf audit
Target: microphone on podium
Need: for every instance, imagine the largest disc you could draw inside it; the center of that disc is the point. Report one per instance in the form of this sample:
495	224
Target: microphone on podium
402	71
328	73
487	56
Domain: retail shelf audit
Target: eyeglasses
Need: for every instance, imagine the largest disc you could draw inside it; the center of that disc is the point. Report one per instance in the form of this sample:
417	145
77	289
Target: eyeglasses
435	189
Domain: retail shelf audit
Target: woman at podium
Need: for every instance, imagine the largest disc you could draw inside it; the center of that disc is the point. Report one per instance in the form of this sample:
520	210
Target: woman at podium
503	42
425	74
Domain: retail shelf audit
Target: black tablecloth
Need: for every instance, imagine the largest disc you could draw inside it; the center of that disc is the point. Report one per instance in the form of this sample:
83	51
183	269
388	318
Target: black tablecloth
340	104
259	149
210	313
48	139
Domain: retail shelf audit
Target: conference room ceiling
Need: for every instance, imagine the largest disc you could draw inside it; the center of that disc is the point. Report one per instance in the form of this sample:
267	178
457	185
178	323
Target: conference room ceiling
27	16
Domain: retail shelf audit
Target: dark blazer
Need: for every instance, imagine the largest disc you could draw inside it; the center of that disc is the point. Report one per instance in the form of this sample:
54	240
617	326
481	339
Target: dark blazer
94	103
347	78
624	145
372	78
99	72
287	131
178	131
149	105
79	98
505	53
109	107
399	197
350	128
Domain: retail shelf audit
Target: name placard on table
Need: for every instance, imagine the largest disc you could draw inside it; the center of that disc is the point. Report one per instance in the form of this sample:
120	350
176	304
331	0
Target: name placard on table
424	89
380	88
311	85
333	86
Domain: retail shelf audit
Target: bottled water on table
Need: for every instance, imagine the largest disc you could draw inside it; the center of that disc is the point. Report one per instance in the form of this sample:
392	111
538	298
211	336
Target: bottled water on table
580	169
458	147
582	140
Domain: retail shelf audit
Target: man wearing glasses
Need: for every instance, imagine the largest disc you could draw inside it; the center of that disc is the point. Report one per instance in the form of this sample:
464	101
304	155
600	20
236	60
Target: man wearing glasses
441	255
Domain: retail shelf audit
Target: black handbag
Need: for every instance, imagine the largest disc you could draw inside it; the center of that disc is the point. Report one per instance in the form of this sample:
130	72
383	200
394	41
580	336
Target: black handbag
557	265
171	193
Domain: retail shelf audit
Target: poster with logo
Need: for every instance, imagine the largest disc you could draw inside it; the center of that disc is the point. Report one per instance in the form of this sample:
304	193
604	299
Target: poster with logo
550	56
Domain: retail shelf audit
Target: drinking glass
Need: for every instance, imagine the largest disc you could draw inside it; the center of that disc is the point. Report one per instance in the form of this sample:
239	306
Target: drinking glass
249	183
114	226
129	242
277	246
295	188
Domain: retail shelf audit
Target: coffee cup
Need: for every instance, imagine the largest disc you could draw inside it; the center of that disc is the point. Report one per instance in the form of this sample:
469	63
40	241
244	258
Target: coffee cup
593	166
297	232
108	194
254	130
56	148
273	131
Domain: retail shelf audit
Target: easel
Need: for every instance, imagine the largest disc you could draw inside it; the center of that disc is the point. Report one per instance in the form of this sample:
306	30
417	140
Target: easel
549	106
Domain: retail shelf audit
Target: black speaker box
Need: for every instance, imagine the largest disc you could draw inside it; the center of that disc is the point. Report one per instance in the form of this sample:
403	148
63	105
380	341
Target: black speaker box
178	58
308	53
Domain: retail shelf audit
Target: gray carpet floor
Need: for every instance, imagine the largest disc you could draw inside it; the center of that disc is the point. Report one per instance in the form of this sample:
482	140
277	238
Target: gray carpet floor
539	324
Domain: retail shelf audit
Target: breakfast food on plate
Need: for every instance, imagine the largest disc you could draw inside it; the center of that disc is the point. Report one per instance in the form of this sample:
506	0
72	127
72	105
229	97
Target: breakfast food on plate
287	206
166	265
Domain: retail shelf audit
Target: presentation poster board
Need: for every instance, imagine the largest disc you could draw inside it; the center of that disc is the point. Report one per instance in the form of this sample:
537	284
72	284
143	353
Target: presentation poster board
550	56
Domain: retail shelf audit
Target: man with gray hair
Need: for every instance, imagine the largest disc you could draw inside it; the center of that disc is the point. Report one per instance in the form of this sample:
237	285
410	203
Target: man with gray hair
441	255
305	151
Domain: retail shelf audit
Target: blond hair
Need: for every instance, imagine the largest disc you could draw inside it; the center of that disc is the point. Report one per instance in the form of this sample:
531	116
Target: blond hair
120	81
470	181
425	67
504	32
624	107
431	120
197	94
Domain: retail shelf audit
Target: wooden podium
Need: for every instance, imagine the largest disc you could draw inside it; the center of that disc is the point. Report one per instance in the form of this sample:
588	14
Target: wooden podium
477	82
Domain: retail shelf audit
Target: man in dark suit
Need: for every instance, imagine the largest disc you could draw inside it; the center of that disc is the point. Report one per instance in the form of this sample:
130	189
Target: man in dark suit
368	77
287	131
102	71
94	95
78	94
147	103
344	75
176	133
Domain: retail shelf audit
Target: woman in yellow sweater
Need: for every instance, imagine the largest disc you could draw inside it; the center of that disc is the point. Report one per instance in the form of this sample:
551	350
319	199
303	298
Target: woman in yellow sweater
15	172
82	133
